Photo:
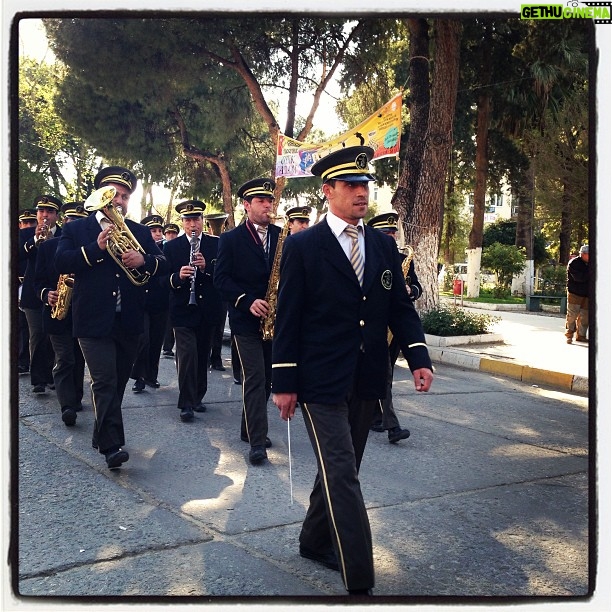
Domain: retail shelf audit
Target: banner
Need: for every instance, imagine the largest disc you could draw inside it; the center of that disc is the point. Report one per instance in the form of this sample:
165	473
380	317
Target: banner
381	131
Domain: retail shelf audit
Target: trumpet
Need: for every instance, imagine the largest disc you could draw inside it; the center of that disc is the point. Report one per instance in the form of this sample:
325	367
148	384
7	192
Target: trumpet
65	284
120	239
194	249
44	233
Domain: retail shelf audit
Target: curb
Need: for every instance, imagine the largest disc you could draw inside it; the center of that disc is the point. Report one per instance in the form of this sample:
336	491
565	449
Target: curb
510	369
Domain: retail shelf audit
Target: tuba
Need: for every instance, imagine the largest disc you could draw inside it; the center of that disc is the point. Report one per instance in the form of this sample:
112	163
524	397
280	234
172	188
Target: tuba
65	284
267	322
216	221
121	239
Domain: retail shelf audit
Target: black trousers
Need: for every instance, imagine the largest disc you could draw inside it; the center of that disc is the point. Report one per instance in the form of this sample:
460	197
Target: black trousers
110	361
23	358
192	349
68	370
337	518
386	412
150	343
256	374
169	336
41	351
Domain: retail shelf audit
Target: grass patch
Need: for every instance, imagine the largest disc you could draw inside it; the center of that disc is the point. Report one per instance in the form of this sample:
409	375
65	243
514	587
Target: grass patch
486	299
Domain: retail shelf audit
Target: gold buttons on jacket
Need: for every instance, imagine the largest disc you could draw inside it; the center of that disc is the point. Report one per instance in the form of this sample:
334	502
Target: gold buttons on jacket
361	323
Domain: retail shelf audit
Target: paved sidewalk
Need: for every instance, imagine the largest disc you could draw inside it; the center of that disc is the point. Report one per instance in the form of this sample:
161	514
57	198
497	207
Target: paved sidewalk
533	349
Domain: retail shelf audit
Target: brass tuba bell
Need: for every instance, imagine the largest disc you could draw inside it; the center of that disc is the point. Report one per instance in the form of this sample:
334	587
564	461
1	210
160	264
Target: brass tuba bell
120	239
216	222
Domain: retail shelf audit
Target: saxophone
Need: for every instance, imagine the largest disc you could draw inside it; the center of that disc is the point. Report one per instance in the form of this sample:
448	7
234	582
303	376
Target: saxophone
409	252
65	284
267	322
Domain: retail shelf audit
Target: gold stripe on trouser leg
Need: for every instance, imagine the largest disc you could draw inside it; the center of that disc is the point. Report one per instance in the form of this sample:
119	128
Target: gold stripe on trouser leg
326	490
246	420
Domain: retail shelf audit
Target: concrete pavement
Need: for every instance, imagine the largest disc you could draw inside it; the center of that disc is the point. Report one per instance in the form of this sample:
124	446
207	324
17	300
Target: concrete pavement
489	497
529	346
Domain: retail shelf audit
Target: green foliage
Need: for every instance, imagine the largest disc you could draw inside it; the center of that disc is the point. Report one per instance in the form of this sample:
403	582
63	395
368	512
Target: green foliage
450	321
504	259
553	280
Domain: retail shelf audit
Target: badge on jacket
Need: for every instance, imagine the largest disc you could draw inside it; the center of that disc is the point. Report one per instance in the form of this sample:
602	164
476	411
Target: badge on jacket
387	279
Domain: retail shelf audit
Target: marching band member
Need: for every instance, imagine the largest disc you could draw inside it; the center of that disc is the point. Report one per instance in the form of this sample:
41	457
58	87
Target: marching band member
69	365
107	305
195	305
242	275
27	218
298	218
341	287
171	231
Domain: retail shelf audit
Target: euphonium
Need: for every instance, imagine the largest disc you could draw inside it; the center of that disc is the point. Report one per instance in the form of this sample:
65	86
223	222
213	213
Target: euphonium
267	322
65	283
120	239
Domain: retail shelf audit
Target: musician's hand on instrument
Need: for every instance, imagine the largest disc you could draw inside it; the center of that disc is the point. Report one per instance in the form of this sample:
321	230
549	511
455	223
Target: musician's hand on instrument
103	237
199	261
286	403
422	379
260	308
132	259
52	296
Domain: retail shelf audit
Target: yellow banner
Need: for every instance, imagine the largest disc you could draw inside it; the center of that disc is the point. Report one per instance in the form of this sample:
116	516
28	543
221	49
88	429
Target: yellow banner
381	131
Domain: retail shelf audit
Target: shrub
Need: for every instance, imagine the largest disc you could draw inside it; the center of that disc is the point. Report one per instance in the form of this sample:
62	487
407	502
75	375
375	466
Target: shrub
450	321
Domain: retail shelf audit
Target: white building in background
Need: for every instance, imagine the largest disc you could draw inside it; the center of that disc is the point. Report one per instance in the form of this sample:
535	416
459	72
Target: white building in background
498	205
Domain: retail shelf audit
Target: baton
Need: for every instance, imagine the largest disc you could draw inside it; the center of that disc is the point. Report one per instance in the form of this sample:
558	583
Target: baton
290	474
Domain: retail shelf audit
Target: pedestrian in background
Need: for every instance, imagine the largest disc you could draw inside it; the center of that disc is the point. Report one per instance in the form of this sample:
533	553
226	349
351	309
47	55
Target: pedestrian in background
577	317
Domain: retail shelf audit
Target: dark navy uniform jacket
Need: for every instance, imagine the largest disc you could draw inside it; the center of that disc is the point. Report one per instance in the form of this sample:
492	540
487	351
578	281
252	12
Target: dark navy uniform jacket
210	308
45	279
98	277
157	294
242	274
28	252
328	329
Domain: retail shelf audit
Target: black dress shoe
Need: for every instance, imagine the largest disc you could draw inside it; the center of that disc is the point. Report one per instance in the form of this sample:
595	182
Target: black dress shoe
257	455
237	381
115	458
138	386
397	433
39	389
327	559
187	414
69	416
200	408
361	592
168	354
23	369
154	384
268	441
218	366
377	427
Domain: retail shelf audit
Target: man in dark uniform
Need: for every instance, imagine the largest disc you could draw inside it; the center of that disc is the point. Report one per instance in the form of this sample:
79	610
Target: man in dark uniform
341	287
171	231
246	254
298	218
69	365
386	419
27	218
195	307
107	306
41	352
146	366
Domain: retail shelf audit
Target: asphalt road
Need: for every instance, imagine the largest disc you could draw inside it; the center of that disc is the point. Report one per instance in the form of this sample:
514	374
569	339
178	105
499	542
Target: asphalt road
489	497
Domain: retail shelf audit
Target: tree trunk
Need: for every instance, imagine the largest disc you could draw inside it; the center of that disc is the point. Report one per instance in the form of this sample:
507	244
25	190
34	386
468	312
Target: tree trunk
420	221
483	115
523	283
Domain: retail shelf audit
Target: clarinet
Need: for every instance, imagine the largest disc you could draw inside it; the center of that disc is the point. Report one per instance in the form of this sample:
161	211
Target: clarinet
192	254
